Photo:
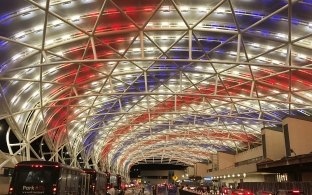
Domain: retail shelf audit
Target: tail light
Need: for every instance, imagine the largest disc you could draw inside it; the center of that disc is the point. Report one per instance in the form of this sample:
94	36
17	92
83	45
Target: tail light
295	191
10	190
54	189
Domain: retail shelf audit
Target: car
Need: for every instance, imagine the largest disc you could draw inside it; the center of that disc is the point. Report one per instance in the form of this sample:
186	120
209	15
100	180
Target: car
265	193
225	191
289	192
242	192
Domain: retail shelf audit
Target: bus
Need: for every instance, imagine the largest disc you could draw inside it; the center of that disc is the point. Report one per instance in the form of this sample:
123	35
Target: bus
98	182
44	177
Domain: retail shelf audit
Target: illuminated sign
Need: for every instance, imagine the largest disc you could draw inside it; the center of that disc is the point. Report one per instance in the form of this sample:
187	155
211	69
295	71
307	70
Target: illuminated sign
175	178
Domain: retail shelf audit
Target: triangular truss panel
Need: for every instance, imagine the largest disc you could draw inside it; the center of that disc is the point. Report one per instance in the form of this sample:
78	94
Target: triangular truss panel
139	13
113	18
79	15
299	25
259	46
246	14
209	41
17	26
218	17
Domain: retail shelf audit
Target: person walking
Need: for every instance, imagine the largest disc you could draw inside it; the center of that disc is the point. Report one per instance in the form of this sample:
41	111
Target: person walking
154	190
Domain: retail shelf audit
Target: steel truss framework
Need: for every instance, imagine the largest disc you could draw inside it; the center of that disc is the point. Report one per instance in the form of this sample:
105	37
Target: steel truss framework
109	84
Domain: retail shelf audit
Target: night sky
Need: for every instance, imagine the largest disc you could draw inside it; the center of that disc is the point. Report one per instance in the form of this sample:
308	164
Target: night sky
3	130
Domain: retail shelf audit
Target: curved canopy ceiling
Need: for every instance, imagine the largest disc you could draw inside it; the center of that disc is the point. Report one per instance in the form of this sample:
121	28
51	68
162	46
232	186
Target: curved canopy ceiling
120	82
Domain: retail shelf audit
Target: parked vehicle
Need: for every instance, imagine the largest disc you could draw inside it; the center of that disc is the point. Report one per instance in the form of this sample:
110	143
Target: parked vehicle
226	190
289	192
242	192
280	192
265	193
